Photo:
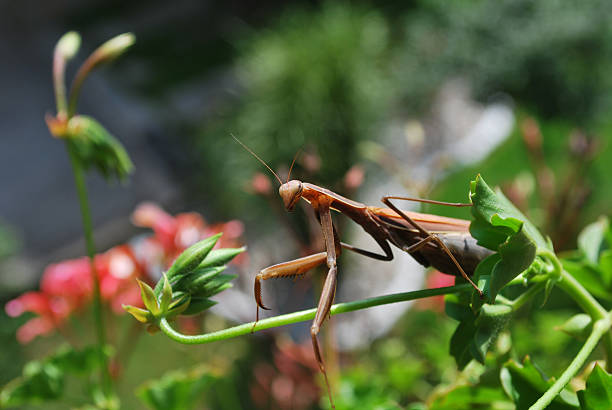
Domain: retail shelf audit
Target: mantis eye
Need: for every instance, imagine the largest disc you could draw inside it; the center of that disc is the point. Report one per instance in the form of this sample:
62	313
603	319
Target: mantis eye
291	192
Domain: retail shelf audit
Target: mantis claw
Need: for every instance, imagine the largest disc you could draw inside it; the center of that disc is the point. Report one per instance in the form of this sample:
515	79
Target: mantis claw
257	291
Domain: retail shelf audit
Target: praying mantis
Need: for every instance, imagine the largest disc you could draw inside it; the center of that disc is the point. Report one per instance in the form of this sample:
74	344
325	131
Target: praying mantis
441	242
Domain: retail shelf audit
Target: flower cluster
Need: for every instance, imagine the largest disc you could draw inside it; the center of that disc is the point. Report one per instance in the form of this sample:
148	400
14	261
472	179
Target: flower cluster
66	287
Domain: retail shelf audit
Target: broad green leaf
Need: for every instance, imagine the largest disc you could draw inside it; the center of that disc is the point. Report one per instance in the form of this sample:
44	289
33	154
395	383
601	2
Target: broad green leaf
177	390
591	239
491	320
500	226
499	217
598	392
471	397
476	332
461	342
517	253
525	384
456	305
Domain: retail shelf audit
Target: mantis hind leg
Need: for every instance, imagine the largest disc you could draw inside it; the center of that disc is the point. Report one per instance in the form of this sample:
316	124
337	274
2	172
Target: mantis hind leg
429	237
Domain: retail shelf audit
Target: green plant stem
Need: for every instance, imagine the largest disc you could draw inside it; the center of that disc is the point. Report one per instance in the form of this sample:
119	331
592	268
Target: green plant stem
527	295
79	180
582	297
600	327
304	315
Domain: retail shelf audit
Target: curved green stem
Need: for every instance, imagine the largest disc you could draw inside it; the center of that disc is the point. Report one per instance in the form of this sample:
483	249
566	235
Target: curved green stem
79	180
589	305
600	327
527	295
304	315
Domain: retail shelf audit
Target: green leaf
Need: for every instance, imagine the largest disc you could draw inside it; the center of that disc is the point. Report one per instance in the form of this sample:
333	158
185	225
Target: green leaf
177	390
44	380
148	297
591	239
142	315
517	253
598	392
218	257
166	296
497	217
179	306
461	342
477	331
490	322
605	267
500	226
192	257
525	384
96	147
578	326
470	397
589	276
198	305
197	278
456	305
212	287
482	275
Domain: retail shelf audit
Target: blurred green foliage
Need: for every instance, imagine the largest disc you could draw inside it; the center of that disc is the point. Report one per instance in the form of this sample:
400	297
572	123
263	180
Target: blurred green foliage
323	95
552	56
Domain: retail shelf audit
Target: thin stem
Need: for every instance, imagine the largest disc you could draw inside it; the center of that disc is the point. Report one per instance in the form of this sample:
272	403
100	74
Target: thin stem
583	298
600	327
77	83
81	189
59	68
527	295
305	315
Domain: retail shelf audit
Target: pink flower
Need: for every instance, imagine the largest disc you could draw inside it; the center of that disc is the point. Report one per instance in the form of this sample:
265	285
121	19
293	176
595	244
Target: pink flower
67	286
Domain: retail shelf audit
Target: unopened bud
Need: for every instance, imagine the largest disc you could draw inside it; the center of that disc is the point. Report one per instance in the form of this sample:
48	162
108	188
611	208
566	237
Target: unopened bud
68	45
113	48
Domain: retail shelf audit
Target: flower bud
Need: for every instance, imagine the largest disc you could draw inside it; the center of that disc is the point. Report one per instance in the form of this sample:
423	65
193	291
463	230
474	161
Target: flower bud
113	48
68	45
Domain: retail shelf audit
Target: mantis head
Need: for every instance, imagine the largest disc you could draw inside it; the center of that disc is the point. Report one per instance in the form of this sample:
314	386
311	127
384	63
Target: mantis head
291	192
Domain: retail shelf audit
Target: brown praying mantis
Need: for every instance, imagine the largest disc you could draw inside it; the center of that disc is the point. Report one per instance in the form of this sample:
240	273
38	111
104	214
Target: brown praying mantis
441	242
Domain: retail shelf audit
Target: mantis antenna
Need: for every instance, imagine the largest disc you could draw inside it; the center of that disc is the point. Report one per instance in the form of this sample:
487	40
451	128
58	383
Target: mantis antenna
259	159
293	163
